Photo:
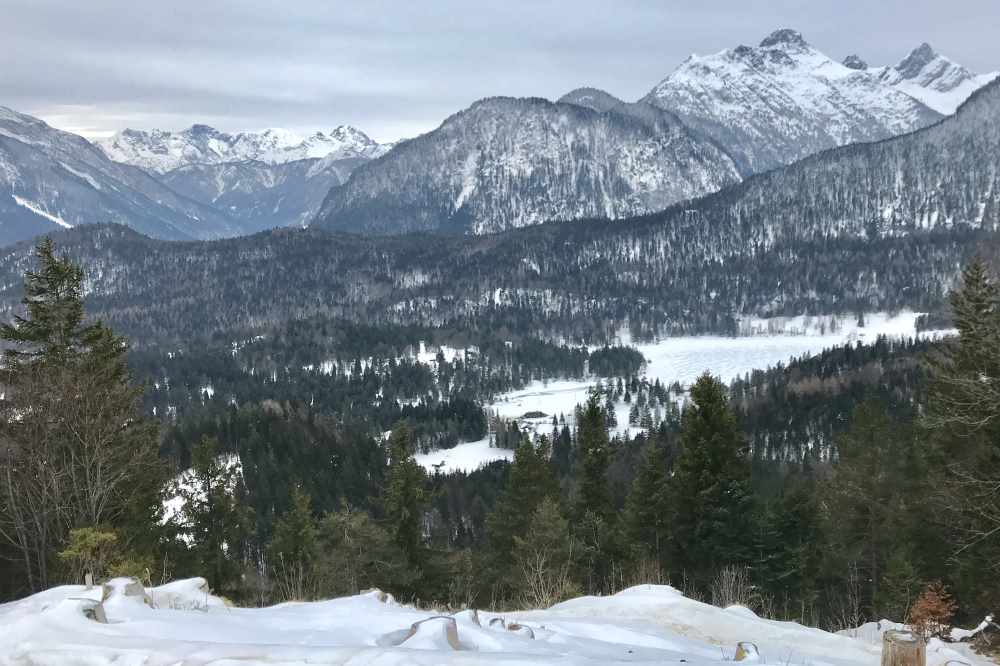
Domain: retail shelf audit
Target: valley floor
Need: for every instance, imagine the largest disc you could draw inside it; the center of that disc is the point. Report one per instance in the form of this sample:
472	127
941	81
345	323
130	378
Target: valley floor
763	343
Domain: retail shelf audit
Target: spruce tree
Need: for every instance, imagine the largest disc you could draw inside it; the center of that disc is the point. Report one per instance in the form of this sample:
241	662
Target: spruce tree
963	422
531	480
76	452
294	549
647	508
214	515
594	452
711	519
404	498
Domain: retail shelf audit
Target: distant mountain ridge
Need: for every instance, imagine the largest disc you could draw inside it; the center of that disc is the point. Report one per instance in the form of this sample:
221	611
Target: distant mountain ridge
161	151
51	179
751	108
505	163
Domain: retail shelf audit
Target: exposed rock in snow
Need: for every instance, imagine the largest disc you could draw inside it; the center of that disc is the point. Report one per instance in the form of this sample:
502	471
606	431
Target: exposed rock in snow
932	78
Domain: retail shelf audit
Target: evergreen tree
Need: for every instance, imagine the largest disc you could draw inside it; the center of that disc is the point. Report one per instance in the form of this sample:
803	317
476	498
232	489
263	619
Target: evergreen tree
543	558
963	418
294	549
710	494
74	451
647	508
357	554
594	454
214	516
404	499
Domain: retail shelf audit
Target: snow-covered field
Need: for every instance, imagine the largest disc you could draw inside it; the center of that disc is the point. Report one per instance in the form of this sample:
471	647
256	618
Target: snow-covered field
764	343
683	359
182	624
464	457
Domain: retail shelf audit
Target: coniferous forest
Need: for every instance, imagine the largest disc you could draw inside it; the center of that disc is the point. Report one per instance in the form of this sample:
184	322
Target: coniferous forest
829	491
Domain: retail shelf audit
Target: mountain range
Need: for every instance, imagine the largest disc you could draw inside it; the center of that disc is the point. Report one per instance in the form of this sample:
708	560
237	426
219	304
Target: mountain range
882	225
160	151
502	163
507	163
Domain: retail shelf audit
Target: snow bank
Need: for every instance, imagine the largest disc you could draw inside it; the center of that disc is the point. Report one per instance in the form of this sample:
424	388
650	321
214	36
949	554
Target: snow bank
184	625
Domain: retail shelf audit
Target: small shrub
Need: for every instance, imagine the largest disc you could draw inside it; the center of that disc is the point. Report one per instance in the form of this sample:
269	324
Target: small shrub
932	611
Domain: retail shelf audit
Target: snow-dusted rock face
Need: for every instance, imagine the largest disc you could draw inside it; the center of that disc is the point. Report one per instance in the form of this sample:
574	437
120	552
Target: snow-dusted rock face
930	77
160	151
780	101
262	196
50	179
505	163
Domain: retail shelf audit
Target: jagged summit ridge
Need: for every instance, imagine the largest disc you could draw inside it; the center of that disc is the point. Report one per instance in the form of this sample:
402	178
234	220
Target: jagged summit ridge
934	79
160	151
785	37
783	100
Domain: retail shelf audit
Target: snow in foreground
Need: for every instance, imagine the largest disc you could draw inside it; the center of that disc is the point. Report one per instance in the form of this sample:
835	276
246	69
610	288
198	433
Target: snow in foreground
645	624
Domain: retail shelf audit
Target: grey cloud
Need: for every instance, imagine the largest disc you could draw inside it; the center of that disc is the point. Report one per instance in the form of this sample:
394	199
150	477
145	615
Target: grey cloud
398	68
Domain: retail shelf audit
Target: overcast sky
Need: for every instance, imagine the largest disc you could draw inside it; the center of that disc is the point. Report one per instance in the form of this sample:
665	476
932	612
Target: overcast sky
398	68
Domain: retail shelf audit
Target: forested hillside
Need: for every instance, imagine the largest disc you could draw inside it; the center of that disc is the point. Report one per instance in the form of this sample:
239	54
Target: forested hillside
870	226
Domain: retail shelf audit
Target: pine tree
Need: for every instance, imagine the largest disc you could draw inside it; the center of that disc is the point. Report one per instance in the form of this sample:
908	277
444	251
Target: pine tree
594	454
963	420
647	508
531	480
294	549
214	515
404	499
76	452
710	494
543	558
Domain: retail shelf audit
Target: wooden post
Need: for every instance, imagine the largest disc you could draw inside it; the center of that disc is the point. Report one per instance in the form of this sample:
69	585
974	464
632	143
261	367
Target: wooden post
903	648
88	580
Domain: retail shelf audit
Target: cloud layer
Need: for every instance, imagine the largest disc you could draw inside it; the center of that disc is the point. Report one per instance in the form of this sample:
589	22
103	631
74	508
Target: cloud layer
395	68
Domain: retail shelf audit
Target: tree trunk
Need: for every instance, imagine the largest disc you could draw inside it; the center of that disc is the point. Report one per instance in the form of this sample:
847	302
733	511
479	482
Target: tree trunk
903	648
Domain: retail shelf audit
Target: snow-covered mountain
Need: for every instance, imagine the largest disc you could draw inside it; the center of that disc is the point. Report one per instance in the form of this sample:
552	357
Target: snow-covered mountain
932	78
505	163
780	101
263	196
160	151
51	179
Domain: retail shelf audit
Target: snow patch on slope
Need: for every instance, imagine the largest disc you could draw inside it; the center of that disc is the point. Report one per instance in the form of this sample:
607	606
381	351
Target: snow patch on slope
38	210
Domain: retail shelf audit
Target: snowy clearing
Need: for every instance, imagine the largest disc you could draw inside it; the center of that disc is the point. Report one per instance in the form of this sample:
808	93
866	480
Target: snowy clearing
182	624
463	458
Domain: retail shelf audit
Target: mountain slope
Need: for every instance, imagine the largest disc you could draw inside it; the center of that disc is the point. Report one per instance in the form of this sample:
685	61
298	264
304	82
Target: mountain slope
933	79
870	226
263	196
506	163
159	151
50	178
783	100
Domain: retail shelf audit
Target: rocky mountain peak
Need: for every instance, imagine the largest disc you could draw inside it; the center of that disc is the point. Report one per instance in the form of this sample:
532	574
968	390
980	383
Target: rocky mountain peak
855	61
784	38
919	58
